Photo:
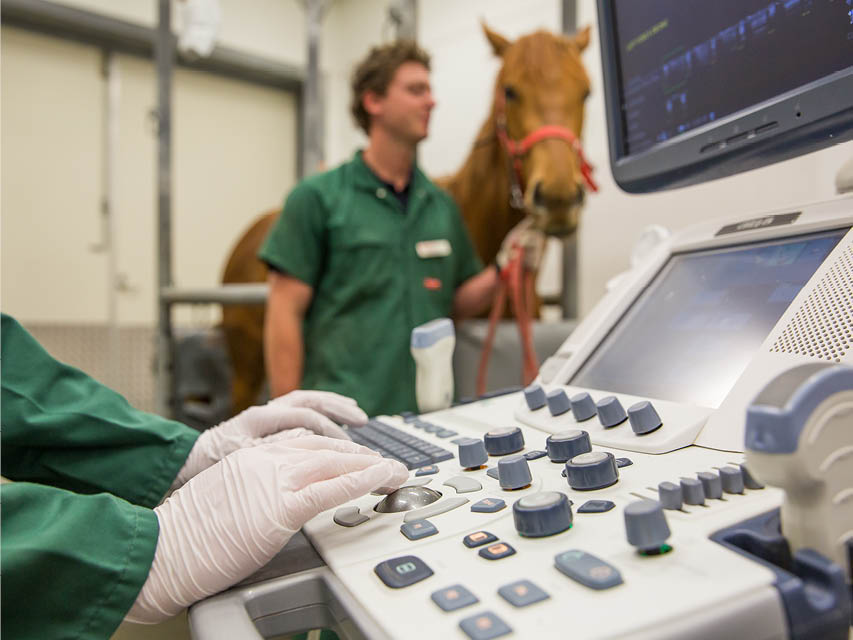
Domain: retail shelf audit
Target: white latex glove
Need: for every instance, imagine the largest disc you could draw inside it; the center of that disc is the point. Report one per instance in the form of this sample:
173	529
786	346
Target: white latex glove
231	519
283	418
531	241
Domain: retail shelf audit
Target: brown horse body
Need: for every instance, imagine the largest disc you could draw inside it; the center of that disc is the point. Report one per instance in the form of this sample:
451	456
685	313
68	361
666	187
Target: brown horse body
542	82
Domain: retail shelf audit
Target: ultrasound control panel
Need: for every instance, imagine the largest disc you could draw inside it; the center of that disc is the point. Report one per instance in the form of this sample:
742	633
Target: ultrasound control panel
619	494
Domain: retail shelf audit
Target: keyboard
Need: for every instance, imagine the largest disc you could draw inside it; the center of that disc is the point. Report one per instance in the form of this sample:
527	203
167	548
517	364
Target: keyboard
395	443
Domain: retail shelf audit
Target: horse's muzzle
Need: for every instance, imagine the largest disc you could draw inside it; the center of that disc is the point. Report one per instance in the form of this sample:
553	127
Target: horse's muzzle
556	216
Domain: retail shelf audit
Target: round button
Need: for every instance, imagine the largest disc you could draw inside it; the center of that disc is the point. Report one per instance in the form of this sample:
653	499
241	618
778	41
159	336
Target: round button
558	402
692	491
542	514
534	395
671	495
593	470
500	442
732	479
472	453
646	526
712	485
514	472
567	444
644	418
583	406
610	412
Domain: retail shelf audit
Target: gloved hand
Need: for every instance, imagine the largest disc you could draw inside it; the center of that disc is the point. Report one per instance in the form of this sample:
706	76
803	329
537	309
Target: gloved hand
232	518
529	239
279	419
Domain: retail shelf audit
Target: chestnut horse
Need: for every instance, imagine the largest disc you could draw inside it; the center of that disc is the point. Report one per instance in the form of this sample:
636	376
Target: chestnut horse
530	139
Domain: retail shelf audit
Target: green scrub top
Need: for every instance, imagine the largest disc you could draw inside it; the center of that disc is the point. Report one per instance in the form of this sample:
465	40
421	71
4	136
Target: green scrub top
79	533
377	272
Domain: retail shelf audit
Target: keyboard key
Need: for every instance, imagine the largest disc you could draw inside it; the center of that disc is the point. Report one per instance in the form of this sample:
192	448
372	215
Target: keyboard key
395	443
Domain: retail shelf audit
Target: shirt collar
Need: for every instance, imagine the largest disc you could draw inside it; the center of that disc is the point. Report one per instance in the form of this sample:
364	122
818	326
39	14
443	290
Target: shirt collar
365	178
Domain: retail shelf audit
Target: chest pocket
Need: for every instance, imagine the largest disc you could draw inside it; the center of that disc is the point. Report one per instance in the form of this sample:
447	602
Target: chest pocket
363	253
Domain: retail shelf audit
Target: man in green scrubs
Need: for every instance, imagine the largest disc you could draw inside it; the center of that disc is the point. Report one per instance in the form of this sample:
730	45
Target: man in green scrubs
364	253
84	540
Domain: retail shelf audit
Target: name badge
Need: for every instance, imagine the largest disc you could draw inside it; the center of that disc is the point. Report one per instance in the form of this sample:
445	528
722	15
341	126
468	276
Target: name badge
433	248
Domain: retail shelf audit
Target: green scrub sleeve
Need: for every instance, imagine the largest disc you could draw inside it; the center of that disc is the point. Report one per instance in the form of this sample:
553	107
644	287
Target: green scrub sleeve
62	428
296	243
72	564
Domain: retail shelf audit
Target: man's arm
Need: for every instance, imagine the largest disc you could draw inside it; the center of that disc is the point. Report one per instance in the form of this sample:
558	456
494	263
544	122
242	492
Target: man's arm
475	295
284	350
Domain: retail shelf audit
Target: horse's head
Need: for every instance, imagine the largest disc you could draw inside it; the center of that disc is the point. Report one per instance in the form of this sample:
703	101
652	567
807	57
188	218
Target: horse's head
539	101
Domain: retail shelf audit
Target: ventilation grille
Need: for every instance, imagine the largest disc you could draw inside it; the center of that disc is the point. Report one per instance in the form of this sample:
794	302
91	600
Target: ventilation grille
822	328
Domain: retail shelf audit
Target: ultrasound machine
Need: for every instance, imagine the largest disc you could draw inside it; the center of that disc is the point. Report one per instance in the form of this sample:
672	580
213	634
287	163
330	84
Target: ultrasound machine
682	467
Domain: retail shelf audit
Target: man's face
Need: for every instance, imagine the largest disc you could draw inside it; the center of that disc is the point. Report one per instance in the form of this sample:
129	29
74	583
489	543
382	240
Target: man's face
405	108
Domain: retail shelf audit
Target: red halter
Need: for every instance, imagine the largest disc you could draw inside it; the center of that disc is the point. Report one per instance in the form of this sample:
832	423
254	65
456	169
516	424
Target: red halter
517	149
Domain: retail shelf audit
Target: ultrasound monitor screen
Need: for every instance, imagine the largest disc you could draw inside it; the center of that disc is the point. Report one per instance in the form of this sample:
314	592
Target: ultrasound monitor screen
691	333
686	63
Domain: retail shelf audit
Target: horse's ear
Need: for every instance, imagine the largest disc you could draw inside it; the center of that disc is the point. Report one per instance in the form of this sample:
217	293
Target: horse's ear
498	42
581	38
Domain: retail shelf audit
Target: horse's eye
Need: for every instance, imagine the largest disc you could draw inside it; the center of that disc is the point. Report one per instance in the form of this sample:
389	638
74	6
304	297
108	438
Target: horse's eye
511	94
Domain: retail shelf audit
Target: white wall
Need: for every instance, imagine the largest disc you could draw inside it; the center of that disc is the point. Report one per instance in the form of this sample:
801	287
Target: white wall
233	155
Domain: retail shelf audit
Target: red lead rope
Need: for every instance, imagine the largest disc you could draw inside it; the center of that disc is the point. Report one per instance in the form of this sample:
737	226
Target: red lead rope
519	281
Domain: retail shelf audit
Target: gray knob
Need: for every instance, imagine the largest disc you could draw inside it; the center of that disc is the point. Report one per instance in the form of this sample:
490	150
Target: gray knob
671	495
610	412
644	418
542	514
567	444
534	395
558	402
732	479
472	453
583	406
645	524
500	442
748	480
513	472
692	490
711	484
593	470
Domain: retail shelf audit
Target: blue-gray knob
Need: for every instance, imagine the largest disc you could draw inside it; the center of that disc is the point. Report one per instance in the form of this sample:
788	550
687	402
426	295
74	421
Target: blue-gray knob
593	470
644	419
567	444
558	402
711	484
542	514
513	472
732	479
692	491
671	495
645	524
534	395
472	453
500	442
610	412
583	406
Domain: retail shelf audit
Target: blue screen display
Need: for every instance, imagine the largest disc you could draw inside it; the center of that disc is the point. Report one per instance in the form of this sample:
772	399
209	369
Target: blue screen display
686	63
